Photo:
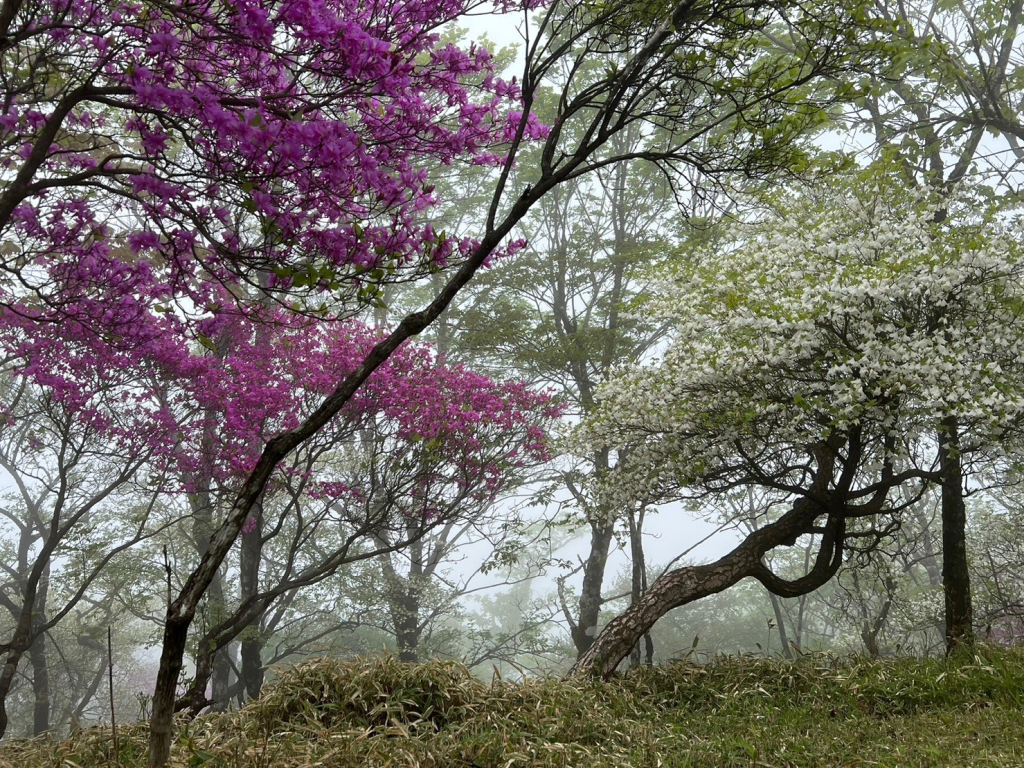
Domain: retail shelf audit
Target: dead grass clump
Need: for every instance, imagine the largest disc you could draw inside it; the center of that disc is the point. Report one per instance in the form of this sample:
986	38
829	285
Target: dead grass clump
369	694
84	748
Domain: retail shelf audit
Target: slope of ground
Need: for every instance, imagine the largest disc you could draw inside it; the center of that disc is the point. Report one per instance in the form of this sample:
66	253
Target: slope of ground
816	711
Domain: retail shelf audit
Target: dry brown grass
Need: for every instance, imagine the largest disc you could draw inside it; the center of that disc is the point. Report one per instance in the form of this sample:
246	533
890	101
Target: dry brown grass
818	711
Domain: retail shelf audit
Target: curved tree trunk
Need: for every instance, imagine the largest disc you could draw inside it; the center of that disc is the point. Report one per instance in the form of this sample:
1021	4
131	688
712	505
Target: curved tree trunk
686	585
681	586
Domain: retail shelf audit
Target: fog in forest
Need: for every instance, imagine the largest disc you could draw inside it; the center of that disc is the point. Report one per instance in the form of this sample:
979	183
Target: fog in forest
628	335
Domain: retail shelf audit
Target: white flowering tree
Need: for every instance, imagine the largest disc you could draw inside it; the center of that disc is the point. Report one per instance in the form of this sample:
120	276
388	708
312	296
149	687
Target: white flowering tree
817	358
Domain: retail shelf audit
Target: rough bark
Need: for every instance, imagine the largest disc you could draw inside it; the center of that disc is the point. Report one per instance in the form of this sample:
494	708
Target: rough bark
404	598
956	578
685	585
681	586
171	658
593	580
406	612
673	589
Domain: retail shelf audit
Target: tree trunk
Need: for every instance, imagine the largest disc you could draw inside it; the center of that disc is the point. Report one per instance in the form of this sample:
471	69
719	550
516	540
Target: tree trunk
40	686
249	582
101	650
675	588
870	630
931	563
37	659
685	585
171	658
780	623
252	667
23	635
648	640
956	579
211	663
406	612
404	601
593	579
7	674
221	680
638	580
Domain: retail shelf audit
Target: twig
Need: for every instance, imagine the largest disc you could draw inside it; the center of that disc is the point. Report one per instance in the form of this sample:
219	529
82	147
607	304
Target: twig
167	570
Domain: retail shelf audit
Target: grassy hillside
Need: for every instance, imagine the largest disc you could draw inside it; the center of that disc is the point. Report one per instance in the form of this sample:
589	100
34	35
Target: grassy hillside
817	711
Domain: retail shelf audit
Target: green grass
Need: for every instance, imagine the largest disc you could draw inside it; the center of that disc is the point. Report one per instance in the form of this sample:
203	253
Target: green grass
817	711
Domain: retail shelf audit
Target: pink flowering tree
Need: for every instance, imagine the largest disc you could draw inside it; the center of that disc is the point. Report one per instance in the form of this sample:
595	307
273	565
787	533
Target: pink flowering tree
166	165
424	445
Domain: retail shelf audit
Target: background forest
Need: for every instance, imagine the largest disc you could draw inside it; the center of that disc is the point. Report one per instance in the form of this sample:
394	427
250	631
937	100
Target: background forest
673	330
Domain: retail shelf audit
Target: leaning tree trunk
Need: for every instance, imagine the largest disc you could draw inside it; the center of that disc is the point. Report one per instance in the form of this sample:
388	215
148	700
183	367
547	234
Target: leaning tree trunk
956	578
673	589
681	586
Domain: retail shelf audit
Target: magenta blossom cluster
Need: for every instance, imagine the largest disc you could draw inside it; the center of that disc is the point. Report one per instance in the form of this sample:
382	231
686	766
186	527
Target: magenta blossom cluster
204	414
154	153
195	193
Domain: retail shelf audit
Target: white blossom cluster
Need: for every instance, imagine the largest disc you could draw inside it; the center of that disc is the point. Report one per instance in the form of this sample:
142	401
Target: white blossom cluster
850	307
